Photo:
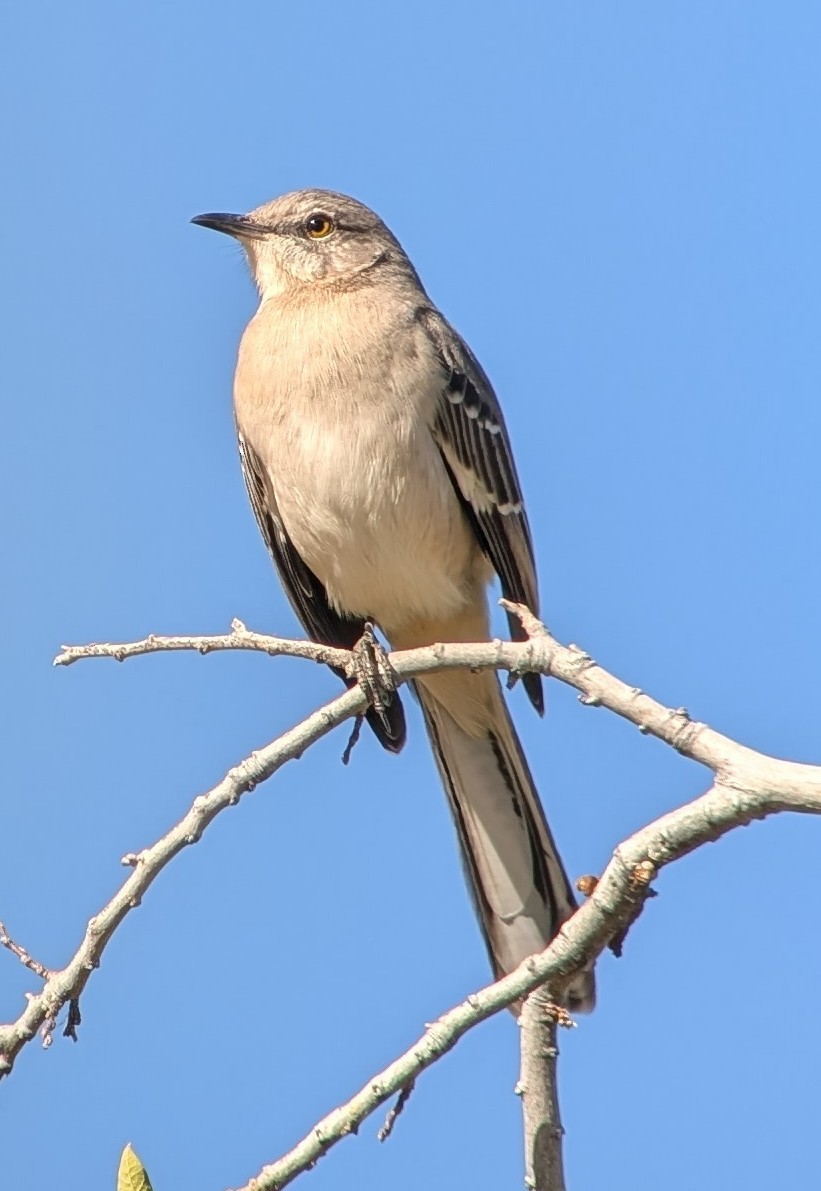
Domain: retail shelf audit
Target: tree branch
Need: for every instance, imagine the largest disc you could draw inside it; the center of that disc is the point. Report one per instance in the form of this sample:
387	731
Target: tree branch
65	986
539	1023
733	764
748	785
239	638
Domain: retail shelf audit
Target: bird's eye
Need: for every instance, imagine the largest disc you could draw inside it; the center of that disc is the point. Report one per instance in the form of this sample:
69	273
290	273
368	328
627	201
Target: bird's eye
318	226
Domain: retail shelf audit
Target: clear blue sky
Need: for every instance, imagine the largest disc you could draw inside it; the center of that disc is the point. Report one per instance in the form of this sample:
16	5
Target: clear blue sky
618	205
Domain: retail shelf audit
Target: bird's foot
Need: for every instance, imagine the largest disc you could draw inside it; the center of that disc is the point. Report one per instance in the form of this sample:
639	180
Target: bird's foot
372	670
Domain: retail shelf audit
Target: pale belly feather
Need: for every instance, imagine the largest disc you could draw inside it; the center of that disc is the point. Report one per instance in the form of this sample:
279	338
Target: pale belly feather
370	508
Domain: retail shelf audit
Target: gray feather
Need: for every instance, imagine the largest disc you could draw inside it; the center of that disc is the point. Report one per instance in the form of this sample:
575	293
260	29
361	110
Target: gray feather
520	890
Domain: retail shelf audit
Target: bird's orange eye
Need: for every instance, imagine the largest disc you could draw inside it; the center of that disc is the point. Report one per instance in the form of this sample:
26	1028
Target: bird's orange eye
318	226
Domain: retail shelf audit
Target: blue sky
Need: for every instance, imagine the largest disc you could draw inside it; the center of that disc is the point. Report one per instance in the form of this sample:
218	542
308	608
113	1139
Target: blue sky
618	207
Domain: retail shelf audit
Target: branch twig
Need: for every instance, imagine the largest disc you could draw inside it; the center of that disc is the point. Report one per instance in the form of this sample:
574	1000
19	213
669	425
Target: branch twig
26	960
398	1108
239	638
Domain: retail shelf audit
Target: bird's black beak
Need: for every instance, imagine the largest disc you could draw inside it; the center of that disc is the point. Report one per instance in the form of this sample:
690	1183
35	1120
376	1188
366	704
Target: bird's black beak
240	226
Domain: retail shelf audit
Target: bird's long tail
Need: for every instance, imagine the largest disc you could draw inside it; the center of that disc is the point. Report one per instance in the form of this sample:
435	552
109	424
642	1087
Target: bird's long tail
519	886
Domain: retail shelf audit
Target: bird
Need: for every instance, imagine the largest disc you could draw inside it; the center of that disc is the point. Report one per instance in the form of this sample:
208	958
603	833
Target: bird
381	475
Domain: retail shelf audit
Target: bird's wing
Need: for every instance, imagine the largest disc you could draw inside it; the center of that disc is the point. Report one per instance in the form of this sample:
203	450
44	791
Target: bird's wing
307	594
471	434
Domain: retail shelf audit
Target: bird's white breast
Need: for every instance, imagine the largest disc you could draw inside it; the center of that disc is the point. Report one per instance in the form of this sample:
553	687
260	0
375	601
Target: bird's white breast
340	416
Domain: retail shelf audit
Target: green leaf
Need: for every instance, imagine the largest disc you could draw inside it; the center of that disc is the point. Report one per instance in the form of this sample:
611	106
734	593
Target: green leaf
132	1175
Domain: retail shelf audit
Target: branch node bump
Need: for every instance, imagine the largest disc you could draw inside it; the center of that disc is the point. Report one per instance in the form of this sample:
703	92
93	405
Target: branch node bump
581	654
643	873
587	884
640	876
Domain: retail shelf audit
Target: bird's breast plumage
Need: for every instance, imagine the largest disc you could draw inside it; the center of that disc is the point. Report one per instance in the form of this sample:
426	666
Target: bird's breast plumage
344	433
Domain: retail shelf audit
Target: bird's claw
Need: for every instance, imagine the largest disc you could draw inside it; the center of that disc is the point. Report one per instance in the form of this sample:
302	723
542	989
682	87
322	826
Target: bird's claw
372	670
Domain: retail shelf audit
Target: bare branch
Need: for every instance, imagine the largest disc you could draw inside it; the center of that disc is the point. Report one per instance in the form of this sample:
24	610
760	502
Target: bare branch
748	785
65	986
238	638
538	1088
26	960
400	1075
734	765
623	886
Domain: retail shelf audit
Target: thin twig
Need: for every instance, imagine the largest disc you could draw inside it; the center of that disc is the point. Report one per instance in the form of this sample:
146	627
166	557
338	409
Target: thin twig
397	1110
26	960
353	739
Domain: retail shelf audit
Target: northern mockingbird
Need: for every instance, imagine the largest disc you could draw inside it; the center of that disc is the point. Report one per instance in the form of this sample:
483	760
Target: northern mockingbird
381	475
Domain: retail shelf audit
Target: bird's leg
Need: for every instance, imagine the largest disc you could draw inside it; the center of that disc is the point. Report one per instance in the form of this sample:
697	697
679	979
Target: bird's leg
371	669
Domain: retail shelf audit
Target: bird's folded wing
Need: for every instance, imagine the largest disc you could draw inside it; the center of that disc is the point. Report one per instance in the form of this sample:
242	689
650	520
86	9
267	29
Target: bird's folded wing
472	437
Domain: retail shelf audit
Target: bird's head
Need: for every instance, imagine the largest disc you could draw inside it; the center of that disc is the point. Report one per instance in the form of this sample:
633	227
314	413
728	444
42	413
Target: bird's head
309	237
